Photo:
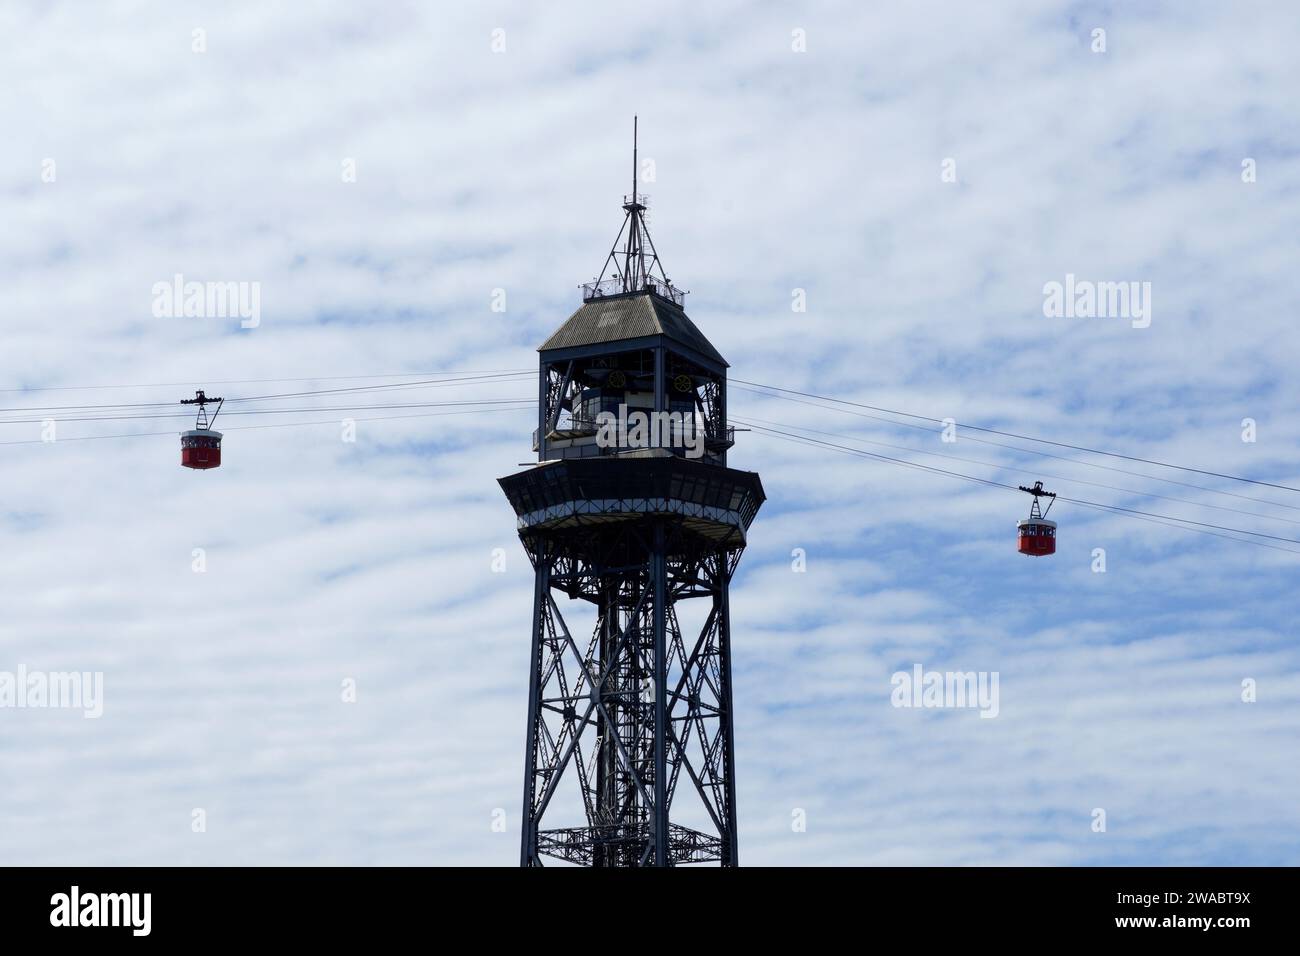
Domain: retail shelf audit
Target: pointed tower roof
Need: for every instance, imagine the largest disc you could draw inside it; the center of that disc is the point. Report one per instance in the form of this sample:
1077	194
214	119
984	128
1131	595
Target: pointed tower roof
632	298
638	315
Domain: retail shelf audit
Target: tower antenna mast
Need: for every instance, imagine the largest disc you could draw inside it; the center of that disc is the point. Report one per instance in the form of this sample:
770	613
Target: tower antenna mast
633	263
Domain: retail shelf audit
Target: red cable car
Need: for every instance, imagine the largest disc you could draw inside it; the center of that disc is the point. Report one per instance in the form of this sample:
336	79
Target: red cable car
1036	535
201	446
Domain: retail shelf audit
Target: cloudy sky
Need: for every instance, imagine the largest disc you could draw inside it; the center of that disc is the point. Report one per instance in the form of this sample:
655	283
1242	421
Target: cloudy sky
386	173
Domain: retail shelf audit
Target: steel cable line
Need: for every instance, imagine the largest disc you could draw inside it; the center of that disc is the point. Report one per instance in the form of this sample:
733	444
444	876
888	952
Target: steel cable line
753	387
1045	441
1167	520
259	381
234	428
872	454
1181	522
490	375
434	383
1171	524
1149	514
520	404
267	411
1027	451
1010	467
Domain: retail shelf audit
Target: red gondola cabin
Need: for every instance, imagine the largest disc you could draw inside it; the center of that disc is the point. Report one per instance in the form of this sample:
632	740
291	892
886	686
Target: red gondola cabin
201	448
1037	536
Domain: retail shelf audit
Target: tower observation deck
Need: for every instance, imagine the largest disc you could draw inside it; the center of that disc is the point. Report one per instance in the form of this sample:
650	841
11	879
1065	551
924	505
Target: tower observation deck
630	512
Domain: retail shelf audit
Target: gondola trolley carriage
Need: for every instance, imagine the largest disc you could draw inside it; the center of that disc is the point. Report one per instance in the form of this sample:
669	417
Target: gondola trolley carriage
1037	535
201	447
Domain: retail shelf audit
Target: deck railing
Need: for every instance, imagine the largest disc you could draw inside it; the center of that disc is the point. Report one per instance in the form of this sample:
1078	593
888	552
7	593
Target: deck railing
614	286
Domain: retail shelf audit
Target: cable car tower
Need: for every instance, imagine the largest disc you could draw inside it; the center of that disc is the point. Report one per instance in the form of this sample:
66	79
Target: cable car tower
629	759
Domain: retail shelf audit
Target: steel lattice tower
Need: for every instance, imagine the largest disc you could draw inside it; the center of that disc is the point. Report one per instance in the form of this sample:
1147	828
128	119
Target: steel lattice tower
626	718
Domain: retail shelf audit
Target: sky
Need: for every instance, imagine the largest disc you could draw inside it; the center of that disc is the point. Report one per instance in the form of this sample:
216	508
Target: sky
865	201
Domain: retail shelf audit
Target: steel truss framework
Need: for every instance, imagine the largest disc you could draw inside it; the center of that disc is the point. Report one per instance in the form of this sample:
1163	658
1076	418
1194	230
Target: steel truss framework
637	709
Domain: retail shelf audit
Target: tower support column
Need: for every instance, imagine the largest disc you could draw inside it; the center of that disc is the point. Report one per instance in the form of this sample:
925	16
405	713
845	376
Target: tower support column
541	595
659	573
